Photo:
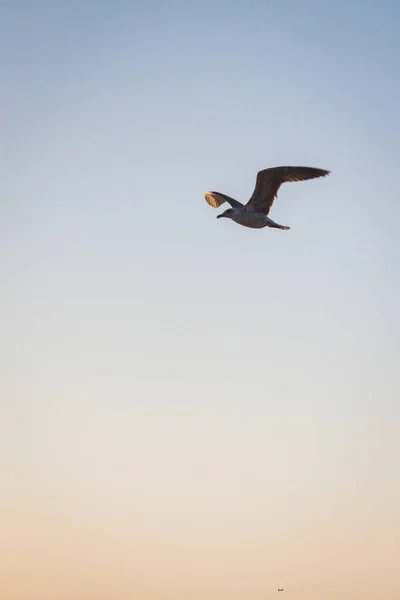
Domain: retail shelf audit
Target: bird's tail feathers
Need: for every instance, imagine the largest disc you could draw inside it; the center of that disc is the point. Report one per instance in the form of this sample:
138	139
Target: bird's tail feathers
274	225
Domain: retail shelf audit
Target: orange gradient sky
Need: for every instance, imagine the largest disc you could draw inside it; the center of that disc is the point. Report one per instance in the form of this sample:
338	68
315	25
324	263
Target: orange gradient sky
191	409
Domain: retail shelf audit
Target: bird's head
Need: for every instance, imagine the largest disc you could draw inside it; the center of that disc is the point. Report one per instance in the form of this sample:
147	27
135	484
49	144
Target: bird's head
227	213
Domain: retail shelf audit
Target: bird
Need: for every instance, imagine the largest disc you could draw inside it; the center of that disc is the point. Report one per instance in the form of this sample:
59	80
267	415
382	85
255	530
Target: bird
280	589
255	213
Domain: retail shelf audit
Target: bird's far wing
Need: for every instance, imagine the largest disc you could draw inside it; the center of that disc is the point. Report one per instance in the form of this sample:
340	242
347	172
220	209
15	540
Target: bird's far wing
215	199
270	180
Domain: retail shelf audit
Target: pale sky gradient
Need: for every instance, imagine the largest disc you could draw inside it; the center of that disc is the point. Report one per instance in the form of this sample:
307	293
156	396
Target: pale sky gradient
191	409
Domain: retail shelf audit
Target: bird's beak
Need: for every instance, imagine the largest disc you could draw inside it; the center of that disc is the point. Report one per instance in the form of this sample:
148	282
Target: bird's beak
219	216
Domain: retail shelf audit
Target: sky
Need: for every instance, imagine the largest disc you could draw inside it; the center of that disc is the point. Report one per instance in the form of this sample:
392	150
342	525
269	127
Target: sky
192	409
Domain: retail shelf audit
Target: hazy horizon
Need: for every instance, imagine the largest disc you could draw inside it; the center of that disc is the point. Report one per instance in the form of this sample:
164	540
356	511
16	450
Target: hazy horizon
193	409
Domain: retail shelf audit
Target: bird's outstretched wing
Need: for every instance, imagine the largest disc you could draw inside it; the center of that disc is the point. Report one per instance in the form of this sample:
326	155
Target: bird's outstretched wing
270	180
215	199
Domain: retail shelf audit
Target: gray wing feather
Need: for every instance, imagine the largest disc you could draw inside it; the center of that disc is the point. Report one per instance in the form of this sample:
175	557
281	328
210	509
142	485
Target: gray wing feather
270	180
215	199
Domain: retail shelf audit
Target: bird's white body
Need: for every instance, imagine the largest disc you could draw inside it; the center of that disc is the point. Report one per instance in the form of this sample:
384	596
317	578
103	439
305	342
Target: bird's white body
254	220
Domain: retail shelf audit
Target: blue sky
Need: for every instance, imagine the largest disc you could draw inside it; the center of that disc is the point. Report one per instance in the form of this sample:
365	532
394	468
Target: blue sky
143	335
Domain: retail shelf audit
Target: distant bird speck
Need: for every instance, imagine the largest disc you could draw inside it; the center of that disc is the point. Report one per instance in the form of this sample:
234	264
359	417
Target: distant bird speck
255	213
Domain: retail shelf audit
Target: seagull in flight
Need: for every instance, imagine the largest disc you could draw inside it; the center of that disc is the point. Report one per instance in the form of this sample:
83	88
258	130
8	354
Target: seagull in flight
255	213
